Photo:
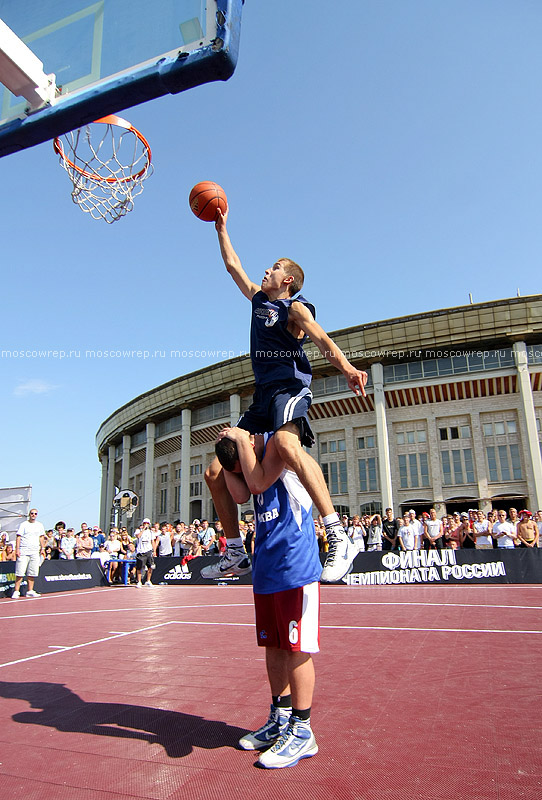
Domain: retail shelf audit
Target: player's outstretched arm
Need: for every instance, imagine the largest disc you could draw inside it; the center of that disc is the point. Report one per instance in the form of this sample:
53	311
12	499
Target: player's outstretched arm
231	259
302	317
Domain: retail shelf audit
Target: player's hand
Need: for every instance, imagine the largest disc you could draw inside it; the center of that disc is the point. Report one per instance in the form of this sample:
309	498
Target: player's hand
235	434
221	219
223	434
238	434
356	381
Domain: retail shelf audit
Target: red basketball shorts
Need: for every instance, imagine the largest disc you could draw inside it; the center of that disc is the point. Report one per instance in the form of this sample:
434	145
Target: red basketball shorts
289	620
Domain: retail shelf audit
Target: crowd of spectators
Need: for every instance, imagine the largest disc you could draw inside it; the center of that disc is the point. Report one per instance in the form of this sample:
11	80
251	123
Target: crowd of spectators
466	529
168	539
472	529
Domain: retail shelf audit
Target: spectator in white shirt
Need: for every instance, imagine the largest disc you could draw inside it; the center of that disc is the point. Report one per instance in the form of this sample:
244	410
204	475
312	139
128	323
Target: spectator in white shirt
504	532
68	544
406	536
417	529
433	531
482	532
101	554
145	537
357	533
29	547
164	540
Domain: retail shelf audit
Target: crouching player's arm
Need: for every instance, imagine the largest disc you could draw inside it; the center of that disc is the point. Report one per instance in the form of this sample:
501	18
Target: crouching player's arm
237	486
258	475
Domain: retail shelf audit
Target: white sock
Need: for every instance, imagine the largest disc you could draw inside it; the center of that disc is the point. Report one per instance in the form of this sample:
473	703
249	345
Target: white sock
331	519
235	542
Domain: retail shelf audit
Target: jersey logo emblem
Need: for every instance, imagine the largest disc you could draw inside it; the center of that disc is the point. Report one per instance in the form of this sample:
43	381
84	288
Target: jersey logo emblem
269	315
272	317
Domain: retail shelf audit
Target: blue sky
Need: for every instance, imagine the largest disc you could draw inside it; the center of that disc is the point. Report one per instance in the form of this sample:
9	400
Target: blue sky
391	147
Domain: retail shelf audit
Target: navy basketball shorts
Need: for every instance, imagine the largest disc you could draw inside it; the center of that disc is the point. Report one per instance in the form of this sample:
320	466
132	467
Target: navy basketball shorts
273	406
289	620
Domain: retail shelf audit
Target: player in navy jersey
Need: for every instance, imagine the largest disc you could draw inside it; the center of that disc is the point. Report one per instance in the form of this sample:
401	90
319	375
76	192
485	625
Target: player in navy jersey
281	322
286	570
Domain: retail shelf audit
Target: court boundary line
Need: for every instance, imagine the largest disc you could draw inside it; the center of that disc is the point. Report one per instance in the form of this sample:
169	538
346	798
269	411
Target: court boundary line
133	608
64	649
429	605
251	605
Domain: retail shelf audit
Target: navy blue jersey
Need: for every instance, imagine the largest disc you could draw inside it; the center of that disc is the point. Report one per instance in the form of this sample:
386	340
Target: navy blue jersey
285	547
276	355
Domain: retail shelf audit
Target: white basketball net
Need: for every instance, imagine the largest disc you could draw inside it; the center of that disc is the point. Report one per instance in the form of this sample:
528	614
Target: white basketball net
107	173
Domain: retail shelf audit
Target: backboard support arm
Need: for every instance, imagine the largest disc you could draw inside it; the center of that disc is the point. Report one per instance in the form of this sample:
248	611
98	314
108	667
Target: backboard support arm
21	71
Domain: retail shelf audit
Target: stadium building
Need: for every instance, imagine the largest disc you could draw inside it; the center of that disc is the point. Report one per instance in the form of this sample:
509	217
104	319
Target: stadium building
452	419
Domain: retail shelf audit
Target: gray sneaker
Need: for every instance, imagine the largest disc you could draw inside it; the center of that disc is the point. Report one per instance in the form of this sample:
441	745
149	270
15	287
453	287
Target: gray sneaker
276	724
296	742
234	562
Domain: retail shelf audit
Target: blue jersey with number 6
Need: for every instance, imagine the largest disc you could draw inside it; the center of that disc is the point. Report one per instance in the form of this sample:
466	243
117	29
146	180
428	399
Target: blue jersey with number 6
285	547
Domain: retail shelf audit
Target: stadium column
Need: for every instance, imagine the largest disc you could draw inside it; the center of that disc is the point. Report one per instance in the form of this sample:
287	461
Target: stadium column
534	475
125	472
104	519
148	498
110	494
186	424
434	463
384	465
479	456
352	472
235	409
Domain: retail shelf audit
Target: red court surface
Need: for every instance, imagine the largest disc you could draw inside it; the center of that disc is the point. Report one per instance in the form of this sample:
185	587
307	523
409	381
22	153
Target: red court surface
422	692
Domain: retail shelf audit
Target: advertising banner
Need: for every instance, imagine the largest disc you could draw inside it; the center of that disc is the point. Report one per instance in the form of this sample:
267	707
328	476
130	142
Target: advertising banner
56	576
518	565
171	570
391	568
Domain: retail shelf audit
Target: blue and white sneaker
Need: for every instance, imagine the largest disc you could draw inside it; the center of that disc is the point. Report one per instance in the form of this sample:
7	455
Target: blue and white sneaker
296	742
341	554
264	737
234	562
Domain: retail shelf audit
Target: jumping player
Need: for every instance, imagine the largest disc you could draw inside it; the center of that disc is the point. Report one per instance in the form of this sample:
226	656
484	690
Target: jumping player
285	574
281	321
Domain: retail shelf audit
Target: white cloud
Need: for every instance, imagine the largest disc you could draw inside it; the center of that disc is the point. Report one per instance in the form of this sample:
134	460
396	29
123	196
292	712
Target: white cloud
34	386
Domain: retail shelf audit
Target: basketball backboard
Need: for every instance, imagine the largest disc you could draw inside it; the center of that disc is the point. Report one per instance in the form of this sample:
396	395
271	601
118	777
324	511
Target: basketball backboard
107	55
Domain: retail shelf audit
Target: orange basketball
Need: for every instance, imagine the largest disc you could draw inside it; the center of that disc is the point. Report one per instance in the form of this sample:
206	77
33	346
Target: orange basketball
206	198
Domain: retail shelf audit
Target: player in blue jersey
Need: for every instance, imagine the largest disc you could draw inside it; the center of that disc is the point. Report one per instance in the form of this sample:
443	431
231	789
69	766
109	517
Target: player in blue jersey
285	575
281	322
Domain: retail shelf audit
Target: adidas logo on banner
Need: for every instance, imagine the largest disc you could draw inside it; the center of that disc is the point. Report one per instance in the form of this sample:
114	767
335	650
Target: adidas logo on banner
179	573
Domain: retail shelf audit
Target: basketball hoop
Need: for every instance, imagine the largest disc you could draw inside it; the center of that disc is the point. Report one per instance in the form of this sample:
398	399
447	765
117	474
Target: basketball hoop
126	502
106	176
